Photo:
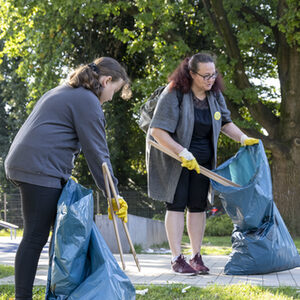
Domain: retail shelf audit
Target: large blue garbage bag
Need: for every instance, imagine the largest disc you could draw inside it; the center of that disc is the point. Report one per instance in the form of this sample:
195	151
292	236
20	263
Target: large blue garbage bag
247	206
261	242
269	248
81	264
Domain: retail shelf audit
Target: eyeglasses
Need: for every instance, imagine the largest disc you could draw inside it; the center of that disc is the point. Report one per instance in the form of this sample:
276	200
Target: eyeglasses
207	77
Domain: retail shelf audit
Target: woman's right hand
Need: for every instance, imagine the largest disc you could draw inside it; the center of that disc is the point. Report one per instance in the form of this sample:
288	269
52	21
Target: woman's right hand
122	212
189	161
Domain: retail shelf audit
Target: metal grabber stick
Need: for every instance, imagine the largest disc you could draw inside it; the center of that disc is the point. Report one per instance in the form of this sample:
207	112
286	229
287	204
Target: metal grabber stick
113	216
206	172
109	185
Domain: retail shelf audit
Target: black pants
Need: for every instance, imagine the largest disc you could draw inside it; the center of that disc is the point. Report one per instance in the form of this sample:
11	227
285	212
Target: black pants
39	212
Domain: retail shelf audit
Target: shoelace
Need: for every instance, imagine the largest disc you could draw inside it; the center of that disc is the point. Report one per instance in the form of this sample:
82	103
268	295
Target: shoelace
181	261
199	260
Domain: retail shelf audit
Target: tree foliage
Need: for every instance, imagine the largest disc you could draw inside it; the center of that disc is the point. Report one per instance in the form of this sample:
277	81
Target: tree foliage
52	37
261	41
254	42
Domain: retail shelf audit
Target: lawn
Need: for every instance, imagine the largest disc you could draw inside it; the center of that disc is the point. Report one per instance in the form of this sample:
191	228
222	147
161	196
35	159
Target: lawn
218	245
6	271
178	291
6	232
212	245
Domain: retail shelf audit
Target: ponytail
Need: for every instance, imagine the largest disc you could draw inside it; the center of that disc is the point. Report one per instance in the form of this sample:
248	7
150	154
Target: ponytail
88	76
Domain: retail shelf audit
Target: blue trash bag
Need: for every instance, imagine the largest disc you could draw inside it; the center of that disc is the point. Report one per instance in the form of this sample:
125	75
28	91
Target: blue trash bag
247	205
81	265
261	242
269	248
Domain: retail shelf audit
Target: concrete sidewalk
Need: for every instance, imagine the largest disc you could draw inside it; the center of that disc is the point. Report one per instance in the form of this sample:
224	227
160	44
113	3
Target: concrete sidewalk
156	270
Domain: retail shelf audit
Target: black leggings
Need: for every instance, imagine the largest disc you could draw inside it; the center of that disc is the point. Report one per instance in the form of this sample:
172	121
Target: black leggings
39	211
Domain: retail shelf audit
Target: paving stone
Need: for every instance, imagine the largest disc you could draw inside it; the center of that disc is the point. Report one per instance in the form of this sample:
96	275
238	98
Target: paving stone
285	278
223	279
237	279
270	280
255	279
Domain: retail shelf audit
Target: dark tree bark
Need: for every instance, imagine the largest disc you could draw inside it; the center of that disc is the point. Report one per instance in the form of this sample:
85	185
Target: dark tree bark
284	131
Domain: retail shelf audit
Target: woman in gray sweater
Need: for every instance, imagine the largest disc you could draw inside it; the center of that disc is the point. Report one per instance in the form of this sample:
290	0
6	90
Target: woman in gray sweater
66	120
189	128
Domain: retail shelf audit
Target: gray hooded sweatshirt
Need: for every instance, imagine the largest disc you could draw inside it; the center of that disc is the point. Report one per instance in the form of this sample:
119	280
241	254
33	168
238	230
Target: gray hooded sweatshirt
63	122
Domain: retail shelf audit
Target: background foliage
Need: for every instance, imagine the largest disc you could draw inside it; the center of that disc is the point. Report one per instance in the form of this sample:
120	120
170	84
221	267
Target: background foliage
254	42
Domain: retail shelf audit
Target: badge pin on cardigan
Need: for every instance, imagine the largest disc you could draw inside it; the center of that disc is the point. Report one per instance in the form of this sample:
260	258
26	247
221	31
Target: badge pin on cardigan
216	177
109	186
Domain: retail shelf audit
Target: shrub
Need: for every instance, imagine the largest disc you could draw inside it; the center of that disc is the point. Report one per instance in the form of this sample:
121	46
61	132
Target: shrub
220	225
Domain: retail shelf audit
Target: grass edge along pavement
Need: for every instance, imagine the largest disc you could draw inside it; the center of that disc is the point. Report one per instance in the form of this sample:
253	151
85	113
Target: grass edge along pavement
180	291
212	245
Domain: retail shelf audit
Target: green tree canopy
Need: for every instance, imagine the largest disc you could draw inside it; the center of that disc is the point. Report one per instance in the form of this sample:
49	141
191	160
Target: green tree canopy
253	41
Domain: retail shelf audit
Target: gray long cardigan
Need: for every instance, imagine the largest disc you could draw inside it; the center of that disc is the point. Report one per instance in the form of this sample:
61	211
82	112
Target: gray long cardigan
163	172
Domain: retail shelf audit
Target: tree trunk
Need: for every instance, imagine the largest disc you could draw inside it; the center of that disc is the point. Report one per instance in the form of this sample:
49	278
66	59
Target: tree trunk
284	130
286	187
286	163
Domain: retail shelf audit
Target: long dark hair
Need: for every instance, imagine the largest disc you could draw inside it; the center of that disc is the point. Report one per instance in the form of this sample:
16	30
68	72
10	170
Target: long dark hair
88	75
181	79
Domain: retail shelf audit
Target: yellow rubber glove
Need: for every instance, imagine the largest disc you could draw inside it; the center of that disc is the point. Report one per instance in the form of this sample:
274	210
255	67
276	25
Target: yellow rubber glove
122	212
246	141
189	161
74	178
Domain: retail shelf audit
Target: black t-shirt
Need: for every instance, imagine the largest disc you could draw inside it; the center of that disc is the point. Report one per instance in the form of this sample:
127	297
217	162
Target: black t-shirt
201	144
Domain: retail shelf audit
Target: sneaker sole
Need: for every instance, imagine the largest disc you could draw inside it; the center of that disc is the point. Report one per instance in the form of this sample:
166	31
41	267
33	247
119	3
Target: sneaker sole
186	274
203	273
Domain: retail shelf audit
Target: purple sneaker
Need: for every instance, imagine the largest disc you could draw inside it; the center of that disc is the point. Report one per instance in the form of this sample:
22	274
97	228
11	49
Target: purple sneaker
181	267
197	264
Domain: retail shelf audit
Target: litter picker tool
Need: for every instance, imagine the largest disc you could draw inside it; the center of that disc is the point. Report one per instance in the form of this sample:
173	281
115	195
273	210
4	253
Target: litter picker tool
109	186
204	171
113	217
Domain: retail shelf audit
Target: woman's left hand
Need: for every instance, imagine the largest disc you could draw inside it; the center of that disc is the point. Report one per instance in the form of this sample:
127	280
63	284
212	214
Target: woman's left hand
248	141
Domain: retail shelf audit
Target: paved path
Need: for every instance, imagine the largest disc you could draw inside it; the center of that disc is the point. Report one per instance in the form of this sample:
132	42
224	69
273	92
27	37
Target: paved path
156	270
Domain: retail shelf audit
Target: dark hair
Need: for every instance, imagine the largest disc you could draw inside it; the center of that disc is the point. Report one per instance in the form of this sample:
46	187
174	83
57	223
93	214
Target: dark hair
181	79
88	76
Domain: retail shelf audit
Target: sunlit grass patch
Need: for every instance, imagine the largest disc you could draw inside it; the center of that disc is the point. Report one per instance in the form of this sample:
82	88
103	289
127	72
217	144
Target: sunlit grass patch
226	292
8	291
212	245
6	232
176	292
6	271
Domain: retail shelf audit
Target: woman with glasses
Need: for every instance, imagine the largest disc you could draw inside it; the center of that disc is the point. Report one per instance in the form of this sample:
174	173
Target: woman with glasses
189	127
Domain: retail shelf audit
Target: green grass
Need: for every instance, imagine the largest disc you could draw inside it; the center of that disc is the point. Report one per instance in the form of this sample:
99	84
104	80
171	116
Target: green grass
217	245
212	245
6	271
228	292
6	232
174	292
297	243
8	291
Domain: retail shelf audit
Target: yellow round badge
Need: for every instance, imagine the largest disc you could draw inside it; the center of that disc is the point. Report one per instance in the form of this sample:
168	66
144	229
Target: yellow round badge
217	115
